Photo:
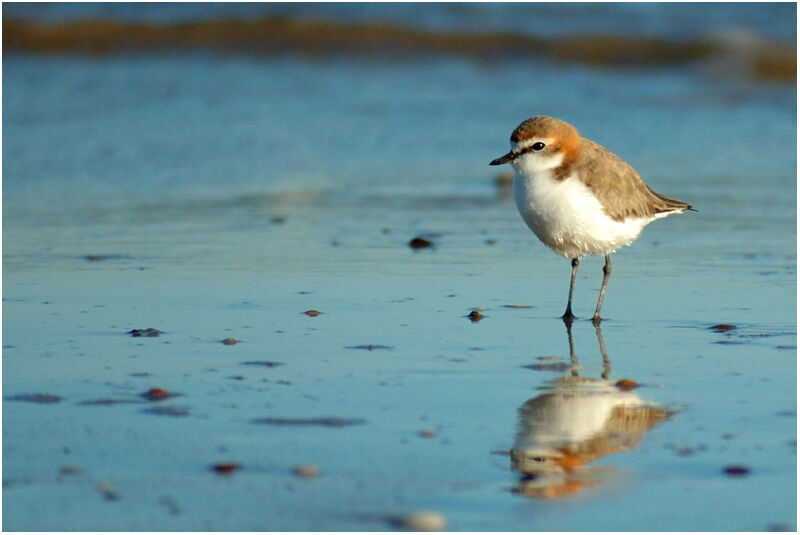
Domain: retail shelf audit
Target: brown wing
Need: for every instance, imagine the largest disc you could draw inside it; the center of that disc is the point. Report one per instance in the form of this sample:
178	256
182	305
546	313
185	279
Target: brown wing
618	186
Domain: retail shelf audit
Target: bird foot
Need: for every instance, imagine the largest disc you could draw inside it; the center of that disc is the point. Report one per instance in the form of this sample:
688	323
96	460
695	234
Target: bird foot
568	318
596	320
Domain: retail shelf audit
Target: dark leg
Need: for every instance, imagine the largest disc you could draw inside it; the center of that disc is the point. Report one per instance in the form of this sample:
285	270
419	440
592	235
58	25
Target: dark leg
606	274
568	317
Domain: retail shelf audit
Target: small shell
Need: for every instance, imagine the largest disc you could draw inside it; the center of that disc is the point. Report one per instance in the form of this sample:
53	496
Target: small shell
424	521
306	470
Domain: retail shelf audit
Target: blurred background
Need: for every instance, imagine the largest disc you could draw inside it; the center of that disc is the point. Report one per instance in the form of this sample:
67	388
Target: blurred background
188	99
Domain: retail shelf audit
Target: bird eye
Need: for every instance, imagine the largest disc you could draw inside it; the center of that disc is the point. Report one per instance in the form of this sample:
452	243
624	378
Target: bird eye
538	145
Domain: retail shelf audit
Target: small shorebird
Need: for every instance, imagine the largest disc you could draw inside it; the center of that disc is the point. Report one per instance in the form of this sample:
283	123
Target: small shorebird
579	198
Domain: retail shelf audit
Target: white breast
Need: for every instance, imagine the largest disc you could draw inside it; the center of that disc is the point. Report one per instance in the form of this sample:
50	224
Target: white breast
568	218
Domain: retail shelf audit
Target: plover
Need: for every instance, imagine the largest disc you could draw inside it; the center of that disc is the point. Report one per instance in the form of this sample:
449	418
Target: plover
579	198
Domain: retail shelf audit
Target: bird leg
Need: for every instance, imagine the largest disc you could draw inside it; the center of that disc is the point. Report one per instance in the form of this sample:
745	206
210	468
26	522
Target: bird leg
606	275
568	317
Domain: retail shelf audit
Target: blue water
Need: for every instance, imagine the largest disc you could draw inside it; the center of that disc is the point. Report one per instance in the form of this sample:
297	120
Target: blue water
230	194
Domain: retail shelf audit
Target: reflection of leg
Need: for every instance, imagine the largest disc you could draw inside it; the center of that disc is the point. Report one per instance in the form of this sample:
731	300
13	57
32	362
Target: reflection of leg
606	276
568	317
572	356
606	362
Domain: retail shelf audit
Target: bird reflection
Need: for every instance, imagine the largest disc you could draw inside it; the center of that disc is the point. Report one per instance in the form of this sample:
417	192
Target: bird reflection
576	421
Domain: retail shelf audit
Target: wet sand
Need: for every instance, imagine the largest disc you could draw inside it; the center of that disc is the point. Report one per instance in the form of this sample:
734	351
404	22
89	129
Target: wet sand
394	395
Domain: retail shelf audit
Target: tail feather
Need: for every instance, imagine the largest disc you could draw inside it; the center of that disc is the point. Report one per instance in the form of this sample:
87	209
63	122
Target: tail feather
670	204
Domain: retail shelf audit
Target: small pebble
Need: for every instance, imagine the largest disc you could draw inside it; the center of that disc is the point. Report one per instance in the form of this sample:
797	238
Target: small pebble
419	243
736	470
156	394
626	384
476	315
306	470
722	327
424	521
312	313
107	492
229	341
225	468
427	433
148	333
70	470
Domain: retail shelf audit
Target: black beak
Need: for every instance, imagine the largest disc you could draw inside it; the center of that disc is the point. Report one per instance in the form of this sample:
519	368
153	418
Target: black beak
506	158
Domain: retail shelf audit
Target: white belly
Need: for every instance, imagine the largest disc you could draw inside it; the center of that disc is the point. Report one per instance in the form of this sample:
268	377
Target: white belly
566	217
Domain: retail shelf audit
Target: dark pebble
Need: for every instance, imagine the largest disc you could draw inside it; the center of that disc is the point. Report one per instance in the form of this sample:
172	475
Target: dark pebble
156	394
225	468
369	347
476	315
736	470
312	313
148	333
419	243
722	327
229	341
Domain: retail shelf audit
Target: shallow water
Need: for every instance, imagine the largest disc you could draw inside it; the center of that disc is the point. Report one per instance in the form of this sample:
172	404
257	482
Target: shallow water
211	196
